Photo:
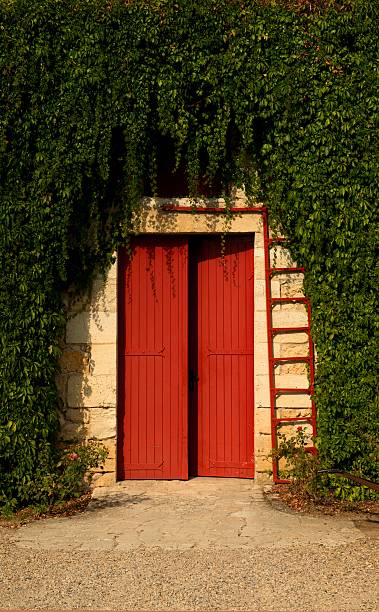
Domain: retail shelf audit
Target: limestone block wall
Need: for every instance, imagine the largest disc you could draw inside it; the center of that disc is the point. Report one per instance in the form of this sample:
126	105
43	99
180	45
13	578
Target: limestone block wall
88	371
88	380
290	375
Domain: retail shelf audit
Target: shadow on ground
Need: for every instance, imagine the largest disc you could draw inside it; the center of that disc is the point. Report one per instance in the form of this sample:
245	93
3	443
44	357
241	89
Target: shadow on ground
116	501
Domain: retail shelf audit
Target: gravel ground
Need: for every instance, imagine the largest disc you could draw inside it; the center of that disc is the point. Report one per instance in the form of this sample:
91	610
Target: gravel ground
338	578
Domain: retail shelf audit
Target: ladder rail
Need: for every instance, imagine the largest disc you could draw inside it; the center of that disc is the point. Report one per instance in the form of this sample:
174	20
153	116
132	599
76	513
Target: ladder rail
272	331
270	344
286	270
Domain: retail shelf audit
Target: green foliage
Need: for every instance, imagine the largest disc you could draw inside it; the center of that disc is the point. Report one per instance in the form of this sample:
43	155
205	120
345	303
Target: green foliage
323	156
70	476
67	477
300	466
283	92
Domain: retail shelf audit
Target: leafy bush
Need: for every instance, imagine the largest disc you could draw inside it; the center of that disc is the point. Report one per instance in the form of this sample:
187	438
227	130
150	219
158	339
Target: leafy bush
278	96
302	466
67	477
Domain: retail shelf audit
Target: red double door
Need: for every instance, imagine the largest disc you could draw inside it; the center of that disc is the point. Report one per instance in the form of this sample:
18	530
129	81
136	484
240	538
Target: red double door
186	346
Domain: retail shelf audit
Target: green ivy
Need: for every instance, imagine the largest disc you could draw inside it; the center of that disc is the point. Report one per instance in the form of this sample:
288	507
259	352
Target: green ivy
283	92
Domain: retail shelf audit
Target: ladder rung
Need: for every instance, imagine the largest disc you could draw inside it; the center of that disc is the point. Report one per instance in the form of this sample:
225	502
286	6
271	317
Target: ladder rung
290	359
277	240
284	330
288	300
310	449
291	419
285	270
289	390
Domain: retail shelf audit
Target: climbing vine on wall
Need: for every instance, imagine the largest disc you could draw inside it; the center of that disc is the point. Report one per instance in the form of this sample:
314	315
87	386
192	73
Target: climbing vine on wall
278	96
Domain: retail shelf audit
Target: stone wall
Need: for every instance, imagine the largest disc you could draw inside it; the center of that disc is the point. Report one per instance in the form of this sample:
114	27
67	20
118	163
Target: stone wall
88	381
89	371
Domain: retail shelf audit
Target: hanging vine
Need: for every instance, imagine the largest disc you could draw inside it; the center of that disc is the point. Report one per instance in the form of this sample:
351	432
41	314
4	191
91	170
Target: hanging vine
283	92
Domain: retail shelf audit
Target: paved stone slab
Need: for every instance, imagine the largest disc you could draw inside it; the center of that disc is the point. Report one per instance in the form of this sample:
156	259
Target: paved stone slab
202	513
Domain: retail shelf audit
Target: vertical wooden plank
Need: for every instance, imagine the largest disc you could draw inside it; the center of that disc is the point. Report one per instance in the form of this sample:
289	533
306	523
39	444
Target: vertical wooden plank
229	289
249	398
159	363
193	300
217	409
166	382
179	361
183	346
243	370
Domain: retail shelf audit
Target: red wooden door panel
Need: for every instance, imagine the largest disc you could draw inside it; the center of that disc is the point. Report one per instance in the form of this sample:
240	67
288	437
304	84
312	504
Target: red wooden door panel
224	401
153	359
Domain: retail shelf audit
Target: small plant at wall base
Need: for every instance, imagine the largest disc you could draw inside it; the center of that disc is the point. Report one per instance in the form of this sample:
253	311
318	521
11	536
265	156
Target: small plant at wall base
301	468
301	464
67	476
278	96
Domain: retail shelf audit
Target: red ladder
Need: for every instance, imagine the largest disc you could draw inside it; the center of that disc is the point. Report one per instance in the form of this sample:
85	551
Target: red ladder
275	392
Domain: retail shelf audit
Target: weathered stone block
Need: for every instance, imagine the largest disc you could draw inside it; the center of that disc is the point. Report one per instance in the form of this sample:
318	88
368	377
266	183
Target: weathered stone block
259	289
263	444
102	423
104	480
292	368
262	422
293	401
262	391
92	328
291	381
263	469
280	257
109	465
292	349
73	431
260	327
259	269
275	287
258	237
61	383
89	391
110	445
77	302
290	430
294	308
77	415
61	415
289	318
104	294
261	356
292	287
74	361
112	271
103	360
260	304
293	412
293	338
152	220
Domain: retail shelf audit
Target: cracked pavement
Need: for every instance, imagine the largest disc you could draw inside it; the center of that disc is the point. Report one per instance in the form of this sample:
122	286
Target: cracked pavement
179	515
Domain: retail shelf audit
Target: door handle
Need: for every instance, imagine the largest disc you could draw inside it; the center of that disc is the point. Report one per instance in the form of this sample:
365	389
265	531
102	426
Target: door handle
193	379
